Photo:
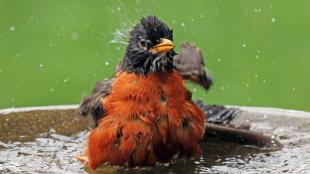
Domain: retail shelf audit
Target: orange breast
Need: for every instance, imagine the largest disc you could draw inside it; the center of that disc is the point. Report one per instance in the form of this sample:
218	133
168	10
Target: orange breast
148	119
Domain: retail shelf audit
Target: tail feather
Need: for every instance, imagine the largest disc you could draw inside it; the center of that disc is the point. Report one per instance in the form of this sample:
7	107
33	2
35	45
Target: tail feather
217	114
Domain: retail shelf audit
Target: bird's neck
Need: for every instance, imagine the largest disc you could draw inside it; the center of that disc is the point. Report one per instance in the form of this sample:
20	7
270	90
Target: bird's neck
147	64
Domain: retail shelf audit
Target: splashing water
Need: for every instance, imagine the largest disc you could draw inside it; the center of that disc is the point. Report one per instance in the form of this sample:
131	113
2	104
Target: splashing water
121	35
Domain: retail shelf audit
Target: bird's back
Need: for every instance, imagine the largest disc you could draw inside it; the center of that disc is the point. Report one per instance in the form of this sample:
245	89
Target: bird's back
148	119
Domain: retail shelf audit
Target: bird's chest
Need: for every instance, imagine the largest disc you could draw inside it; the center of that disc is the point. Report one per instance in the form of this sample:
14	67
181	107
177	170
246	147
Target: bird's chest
162	106
151	96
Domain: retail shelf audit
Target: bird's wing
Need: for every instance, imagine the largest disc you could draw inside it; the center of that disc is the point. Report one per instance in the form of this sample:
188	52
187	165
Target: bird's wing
93	104
190	63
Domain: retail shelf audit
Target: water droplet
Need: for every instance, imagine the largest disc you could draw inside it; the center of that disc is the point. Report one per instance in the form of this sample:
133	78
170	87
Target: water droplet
194	89
256	76
173	21
249	99
52	130
201	16
293	89
255	10
107	63
223	88
13	101
41	65
0	71
258	51
12	28
183	24
119	8
52	89
218	160
50	45
264	81
259	10
244	45
65	80
219	60
247	85
265	115
74	36
120	36
138	2
257	56
273	19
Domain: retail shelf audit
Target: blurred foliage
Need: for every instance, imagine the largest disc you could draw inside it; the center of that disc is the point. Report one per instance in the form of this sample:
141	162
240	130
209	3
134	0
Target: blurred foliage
53	51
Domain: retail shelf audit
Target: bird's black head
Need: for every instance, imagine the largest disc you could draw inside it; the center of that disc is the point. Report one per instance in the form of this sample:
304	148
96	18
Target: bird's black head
150	47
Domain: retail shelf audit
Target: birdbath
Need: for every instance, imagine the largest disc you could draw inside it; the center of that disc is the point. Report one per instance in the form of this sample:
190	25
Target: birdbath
40	139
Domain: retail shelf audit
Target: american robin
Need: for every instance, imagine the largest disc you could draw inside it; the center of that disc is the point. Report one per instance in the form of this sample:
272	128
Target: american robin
190	64
144	114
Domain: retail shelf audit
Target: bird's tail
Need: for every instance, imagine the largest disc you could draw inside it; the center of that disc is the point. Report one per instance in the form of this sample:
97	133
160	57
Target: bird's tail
217	114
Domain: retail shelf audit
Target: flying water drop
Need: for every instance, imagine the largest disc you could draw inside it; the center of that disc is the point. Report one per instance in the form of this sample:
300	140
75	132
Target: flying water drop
12	28
74	36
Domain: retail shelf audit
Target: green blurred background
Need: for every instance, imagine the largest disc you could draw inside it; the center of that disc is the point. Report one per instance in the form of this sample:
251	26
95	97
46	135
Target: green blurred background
53	51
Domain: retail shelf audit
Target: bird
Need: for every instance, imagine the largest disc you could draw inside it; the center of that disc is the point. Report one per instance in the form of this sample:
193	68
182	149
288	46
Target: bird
190	63
144	114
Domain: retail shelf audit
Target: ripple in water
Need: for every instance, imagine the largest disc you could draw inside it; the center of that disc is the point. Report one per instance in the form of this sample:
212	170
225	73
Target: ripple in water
54	153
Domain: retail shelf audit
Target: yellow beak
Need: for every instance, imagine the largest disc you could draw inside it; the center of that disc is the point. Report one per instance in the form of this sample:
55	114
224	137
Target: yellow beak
164	46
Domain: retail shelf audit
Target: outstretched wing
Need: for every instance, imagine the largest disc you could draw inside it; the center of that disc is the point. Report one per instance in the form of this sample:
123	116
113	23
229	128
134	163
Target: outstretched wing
190	63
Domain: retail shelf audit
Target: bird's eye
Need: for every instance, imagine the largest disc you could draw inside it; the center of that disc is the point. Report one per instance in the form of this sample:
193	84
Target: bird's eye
143	43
